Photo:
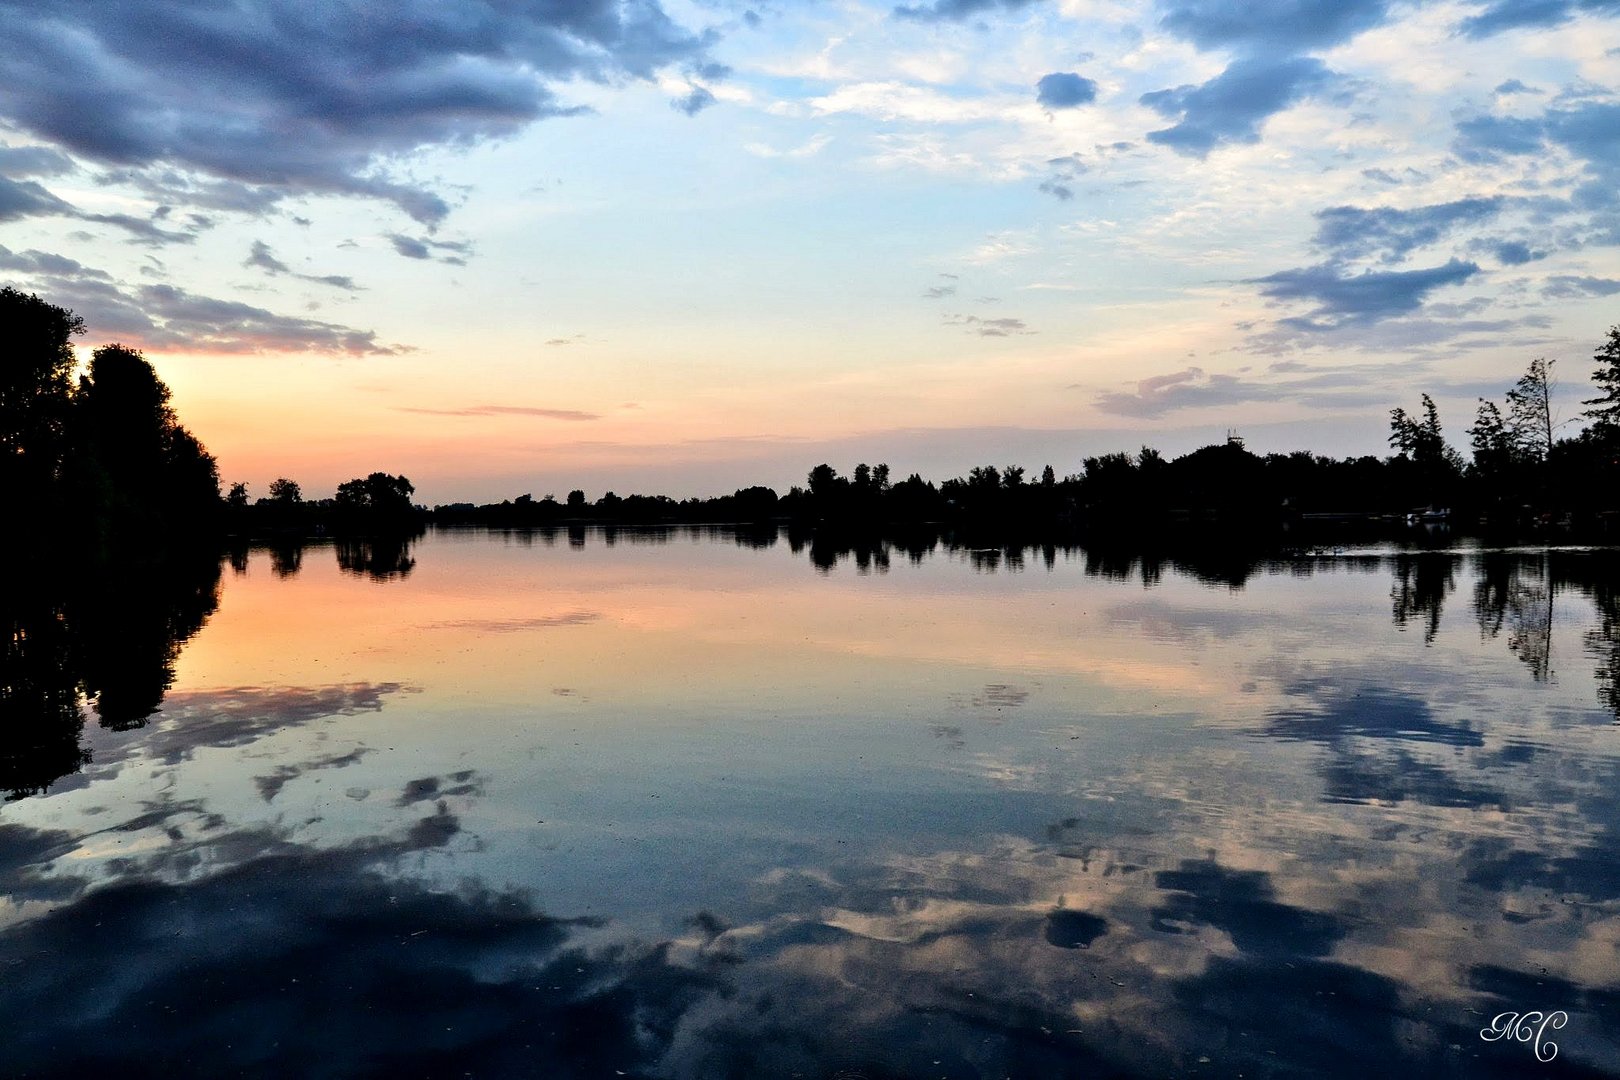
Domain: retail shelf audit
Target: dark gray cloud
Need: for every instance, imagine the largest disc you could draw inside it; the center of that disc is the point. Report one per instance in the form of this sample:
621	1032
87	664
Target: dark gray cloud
693	103
46	263
1590	130
1192	387
1231	106
1514	86
1065	90
1351	232
508	410
1511	252
1500	15
1272	26
262	257
424	247
1060	181
16	161
1484	139
166	317
515	626
27	198
296	97
1366	297
144	230
1575	287
1004	327
957	10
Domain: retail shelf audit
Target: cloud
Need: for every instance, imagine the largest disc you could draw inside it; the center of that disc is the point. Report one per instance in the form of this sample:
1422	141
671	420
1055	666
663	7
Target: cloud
1231	106
1514	86
1273	26
1590	130
939	292
18	161
163	317
958	10
1501	15
261	256
1351	232
1486	139
413	248
1193	387
693	103
1510	252
506	410
147	231
1359	298
1065	90
26	198
46	263
815	145
310	98
1573	287
989	327
1065	171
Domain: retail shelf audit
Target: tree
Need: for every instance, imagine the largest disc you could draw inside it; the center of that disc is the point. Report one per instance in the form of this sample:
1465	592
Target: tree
285	491
1420	440
1530	417
1605	408
238	496
380	497
135	462
822	479
36	365
1491	441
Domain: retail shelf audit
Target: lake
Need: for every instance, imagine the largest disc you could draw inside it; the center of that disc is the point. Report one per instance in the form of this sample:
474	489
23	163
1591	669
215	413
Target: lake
689	803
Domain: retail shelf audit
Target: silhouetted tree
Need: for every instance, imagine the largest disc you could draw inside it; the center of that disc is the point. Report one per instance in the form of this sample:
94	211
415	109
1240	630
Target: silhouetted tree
133	458
380	502
36	365
1492	445
1604	411
1530	415
285	491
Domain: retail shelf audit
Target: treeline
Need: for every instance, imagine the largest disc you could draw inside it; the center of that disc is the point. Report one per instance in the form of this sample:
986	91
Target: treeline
102	460
1522	477
378	504
105	457
96	457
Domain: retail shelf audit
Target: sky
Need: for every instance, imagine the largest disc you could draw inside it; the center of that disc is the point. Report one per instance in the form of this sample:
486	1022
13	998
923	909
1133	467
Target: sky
685	246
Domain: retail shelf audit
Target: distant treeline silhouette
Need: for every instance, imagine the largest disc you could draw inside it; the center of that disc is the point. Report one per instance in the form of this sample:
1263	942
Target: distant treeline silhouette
107	458
1523	477
103	460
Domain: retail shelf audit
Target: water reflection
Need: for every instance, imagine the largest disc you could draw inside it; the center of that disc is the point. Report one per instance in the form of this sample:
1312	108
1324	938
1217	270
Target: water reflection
108	634
690	804
380	558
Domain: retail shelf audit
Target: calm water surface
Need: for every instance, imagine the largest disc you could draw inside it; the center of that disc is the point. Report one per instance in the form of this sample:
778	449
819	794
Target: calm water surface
680	805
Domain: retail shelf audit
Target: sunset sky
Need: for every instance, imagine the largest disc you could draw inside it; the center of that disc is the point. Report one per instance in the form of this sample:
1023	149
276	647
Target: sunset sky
507	247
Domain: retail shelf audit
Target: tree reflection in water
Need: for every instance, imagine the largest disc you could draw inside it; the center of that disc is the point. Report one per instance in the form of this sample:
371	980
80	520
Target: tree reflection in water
107	635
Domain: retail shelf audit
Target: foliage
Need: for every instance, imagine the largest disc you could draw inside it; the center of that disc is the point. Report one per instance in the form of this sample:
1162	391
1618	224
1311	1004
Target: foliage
1605	408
